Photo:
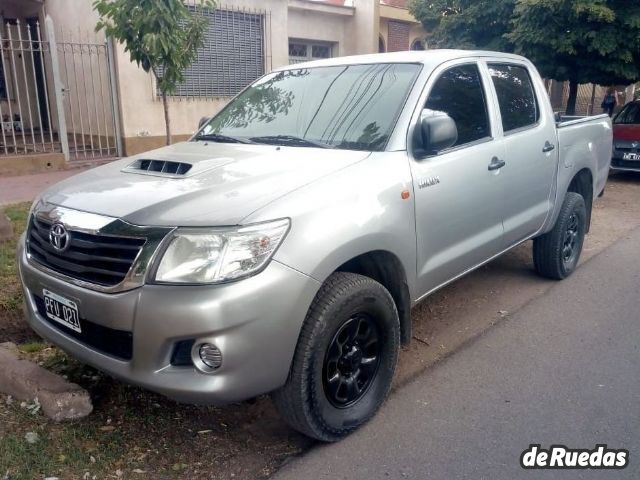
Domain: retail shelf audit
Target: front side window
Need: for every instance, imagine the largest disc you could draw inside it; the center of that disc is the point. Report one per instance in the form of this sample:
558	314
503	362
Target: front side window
459	93
516	96
629	114
353	107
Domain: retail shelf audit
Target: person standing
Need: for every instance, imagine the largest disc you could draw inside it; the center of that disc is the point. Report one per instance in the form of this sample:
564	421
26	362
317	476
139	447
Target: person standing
609	102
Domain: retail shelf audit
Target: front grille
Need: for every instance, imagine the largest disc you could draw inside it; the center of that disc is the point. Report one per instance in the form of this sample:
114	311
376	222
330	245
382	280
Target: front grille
100	259
633	164
117	343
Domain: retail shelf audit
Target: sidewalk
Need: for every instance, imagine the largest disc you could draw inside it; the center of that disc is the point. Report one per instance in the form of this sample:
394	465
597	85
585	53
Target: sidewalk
24	188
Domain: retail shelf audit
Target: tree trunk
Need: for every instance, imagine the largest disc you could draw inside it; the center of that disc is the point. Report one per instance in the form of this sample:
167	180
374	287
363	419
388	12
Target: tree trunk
167	121
573	96
592	106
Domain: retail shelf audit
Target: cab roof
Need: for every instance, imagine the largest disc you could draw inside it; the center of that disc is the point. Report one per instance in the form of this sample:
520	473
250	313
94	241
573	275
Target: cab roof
428	57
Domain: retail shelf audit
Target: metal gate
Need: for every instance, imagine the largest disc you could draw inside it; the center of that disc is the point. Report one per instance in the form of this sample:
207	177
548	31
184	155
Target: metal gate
57	96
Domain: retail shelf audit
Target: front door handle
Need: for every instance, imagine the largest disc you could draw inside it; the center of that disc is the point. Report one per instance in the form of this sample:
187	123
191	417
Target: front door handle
548	147
496	164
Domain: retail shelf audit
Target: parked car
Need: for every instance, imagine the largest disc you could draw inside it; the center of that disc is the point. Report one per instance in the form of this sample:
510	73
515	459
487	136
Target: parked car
626	138
282	248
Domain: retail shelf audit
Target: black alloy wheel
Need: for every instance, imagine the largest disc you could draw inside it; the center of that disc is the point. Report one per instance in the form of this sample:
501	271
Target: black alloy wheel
569	250
351	361
556	253
344	360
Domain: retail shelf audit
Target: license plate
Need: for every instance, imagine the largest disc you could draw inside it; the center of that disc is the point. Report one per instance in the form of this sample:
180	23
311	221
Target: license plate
62	310
631	156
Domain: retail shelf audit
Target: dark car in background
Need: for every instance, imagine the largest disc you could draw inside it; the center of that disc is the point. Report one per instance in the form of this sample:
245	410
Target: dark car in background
626	138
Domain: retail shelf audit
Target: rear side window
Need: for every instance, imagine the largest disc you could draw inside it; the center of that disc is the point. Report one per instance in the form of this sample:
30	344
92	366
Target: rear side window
516	96
629	114
459	93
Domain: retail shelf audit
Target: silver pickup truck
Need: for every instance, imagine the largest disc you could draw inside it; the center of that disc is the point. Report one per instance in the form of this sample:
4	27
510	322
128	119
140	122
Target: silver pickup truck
282	248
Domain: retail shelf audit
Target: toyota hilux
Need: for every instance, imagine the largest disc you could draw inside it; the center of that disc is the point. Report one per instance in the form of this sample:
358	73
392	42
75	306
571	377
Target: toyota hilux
280	250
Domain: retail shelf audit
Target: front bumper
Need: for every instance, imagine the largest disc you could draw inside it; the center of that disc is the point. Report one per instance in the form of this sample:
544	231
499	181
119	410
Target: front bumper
255	322
625	165
617	160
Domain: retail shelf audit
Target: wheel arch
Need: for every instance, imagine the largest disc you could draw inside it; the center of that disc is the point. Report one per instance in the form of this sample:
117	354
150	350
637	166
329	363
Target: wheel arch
582	183
579	181
386	268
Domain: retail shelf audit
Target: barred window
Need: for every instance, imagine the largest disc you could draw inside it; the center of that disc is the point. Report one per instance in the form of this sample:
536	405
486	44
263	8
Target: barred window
233	55
305	51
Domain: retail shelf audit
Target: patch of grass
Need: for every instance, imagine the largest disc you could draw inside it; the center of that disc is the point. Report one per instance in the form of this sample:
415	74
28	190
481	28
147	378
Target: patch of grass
11	292
14	451
32	347
61	450
18	214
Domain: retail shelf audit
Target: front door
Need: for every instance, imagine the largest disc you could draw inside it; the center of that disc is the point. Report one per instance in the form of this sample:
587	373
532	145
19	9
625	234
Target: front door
458	191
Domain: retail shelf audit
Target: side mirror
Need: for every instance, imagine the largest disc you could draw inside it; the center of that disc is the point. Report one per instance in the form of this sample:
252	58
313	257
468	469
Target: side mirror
435	133
202	121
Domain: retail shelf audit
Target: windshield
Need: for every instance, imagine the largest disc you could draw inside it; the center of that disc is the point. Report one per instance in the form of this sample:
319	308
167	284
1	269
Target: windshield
351	107
629	114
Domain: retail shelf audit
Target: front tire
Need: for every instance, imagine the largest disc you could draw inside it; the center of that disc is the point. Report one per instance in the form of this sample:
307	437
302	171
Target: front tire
344	361
556	253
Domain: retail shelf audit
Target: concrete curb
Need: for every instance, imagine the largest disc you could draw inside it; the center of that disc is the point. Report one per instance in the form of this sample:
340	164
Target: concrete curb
24	380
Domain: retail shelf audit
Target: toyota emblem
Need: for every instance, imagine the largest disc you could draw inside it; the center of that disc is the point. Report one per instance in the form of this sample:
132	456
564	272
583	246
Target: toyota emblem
59	237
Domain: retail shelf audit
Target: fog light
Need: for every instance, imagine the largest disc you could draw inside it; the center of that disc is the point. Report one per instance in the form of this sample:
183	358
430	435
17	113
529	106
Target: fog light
210	355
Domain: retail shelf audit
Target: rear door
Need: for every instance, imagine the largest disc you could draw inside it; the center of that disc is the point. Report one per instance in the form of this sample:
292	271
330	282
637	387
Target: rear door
531	149
458	194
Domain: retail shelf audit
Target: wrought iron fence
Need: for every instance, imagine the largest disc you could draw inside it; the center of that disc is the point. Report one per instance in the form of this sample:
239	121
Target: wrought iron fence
25	110
89	110
56	96
588	98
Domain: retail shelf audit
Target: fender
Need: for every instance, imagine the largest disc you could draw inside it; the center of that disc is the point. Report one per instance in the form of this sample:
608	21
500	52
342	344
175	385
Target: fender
349	213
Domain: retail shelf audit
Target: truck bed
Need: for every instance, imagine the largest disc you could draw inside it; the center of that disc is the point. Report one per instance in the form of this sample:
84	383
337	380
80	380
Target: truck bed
586	138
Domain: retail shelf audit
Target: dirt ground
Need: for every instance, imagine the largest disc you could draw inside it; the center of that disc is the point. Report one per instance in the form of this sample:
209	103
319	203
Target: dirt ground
156	438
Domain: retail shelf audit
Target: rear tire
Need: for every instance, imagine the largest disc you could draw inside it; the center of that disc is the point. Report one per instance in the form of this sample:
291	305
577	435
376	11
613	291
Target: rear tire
344	361
556	253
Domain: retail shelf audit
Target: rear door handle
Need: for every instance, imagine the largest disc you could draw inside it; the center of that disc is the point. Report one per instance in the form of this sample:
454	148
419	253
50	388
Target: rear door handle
496	164
547	147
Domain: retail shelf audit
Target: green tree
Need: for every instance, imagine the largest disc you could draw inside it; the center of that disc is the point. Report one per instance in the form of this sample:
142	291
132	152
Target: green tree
465	23
580	41
161	36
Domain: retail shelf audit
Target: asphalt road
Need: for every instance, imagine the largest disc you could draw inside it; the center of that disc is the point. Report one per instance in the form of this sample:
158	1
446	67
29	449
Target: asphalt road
565	369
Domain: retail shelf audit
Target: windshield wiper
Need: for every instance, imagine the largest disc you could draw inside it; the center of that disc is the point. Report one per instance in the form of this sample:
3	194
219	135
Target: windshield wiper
289	140
216	137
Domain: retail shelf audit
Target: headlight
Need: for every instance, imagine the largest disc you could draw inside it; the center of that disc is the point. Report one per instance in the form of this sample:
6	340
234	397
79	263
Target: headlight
215	255
34	204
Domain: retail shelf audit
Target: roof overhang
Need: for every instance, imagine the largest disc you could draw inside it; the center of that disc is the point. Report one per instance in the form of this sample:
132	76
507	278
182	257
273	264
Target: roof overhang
21	8
321	7
396	13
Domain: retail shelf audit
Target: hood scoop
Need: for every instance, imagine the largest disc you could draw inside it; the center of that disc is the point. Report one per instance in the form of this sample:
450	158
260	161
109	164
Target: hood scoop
164	168
172	169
